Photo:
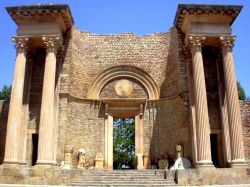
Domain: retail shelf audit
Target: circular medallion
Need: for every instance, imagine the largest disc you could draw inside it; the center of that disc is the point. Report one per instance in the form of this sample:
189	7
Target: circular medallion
124	88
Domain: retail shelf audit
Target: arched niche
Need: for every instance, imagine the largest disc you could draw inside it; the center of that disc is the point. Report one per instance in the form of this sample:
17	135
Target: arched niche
129	72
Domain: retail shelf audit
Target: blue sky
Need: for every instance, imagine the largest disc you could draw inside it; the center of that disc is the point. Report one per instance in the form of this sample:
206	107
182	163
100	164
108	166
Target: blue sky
119	16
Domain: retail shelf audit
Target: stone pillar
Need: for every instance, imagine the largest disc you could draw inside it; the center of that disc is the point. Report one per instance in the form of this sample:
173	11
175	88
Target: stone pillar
224	113
109	142
108	152
200	99
139	140
47	127
233	108
14	125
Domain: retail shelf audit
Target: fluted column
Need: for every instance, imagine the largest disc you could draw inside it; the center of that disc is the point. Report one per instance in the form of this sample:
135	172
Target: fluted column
233	108
47	126
14	125
200	97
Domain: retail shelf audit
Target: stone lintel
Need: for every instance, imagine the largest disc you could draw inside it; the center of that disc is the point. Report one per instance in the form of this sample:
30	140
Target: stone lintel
42	14
212	15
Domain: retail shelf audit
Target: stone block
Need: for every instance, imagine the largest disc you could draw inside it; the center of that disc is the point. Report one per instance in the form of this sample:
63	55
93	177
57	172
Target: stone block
211	176
99	161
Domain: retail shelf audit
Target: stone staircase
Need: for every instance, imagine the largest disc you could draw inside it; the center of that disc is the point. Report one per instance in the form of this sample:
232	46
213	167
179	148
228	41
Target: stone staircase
126	178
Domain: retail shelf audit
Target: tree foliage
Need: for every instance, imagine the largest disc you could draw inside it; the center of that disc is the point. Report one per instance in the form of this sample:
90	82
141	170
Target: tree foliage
241	92
5	93
124	143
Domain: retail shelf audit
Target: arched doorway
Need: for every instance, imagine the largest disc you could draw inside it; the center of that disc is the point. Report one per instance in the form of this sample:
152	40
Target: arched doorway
124	91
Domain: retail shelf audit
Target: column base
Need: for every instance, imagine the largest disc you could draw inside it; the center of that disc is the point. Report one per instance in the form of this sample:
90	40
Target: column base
239	163
23	163
46	163
140	161
204	164
108	167
11	162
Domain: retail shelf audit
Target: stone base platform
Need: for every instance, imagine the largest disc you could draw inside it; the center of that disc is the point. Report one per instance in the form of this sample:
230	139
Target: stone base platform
77	177
213	176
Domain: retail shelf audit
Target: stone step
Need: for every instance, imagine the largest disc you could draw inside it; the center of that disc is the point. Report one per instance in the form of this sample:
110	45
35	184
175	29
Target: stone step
117	185
123	183
121	174
125	178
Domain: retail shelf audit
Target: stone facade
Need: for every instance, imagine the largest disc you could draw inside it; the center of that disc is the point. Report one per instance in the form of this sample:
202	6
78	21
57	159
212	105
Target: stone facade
4	108
91	53
245	115
174	84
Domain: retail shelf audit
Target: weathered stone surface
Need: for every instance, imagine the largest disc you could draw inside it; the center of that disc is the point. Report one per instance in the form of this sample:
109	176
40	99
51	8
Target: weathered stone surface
156	54
94	78
245	117
212	176
4	108
85	129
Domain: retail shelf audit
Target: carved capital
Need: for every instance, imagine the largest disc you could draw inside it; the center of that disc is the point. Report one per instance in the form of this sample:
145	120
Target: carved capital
195	42
52	43
20	44
227	42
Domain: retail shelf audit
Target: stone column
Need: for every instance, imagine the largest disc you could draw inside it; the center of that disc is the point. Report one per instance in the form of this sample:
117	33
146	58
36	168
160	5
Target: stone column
108	152
14	125
139	140
200	99
47	127
109	142
223	111
233	108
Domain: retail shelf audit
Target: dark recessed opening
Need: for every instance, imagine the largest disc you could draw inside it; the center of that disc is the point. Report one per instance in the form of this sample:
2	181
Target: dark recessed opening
214	149
34	148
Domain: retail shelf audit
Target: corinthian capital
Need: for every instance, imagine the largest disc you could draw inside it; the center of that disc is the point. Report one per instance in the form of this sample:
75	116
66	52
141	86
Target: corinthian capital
227	42
20	43
195	42
52	43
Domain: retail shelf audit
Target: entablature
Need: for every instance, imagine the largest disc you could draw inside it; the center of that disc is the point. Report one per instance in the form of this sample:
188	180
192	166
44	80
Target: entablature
36	20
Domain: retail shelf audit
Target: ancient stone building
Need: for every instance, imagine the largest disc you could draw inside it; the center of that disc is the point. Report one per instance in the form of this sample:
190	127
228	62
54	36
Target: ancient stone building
179	86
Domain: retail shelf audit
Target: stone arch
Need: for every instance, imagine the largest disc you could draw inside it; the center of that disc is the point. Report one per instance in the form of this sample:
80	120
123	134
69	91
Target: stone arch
124	71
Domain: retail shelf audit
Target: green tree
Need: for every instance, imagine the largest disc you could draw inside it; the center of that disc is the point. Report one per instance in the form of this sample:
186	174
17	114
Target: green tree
241	92
5	93
124	143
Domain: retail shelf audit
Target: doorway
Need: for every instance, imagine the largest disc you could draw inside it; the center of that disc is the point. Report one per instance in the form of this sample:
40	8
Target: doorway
214	149
34	148
124	143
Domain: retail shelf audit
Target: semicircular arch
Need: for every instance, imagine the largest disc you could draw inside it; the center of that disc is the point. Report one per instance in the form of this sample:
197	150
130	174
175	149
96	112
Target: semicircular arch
122	72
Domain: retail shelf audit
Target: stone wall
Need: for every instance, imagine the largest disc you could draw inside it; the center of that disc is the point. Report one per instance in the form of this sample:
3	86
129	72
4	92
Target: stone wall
4	109
139	90
85	129
166	124
245	116
88	55
156	54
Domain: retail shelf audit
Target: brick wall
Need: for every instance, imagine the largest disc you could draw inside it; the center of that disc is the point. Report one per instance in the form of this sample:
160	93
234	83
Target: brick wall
245	116
88	55
139	90
4	109
85	129
156	54
166	125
